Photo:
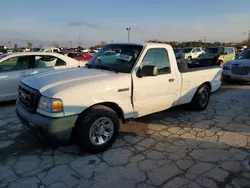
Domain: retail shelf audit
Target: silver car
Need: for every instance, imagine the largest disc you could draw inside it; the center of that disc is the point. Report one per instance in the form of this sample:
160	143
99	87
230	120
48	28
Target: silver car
238	69
14	67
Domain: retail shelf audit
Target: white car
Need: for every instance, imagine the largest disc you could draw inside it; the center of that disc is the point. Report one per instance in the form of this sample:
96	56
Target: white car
53	50
238	69
86	50
14	67
88	103
189	53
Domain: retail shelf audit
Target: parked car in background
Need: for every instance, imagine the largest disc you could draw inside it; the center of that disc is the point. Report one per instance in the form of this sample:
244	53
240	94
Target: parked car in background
238	69
217	55
79	56
52	50
16	66
86	50
88	104
36	49
94	50
189	53
3	50
107	57
10	50
239	49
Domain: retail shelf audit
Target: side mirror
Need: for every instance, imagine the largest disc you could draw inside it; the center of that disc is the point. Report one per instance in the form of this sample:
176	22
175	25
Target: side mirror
148	70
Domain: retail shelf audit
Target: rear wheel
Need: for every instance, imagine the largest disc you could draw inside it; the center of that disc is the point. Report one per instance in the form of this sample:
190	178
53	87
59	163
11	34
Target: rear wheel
98	129
201	98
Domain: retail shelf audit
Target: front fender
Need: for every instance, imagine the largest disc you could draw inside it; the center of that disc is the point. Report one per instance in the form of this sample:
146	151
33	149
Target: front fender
76	104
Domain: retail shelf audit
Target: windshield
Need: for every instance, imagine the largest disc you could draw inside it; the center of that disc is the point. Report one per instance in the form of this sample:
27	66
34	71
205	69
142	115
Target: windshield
186	50
117	57
215	50
244	55
3	56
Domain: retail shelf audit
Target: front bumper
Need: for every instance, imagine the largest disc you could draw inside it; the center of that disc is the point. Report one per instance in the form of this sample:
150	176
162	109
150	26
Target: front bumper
227	75
43	127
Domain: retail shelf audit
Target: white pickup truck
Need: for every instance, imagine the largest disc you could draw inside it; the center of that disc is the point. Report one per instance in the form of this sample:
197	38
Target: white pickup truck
89	103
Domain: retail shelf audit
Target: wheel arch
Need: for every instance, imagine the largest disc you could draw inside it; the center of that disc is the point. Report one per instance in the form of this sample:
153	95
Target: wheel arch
203	84
114	106
208	84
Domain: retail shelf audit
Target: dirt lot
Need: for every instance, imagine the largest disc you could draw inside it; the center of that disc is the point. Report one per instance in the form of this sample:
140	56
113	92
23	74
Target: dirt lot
174	148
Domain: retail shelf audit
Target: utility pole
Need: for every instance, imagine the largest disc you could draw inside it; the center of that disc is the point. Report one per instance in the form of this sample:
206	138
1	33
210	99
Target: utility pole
249	36
128	29
204	42
79	41
70	44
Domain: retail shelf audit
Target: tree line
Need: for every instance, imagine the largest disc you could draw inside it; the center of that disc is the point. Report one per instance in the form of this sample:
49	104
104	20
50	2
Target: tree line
200	43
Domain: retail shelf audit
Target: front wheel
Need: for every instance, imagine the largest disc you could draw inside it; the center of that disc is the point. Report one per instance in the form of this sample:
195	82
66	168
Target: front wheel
201	98
98	129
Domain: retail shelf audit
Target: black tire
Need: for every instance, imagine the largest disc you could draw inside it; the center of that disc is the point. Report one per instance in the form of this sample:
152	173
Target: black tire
227	81
201	98
85	123
190	58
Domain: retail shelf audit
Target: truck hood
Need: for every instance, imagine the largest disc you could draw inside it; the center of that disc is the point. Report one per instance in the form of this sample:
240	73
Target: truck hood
239	62
52	82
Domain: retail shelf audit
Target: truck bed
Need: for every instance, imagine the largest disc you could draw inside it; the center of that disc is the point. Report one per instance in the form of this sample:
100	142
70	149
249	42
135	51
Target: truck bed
187	67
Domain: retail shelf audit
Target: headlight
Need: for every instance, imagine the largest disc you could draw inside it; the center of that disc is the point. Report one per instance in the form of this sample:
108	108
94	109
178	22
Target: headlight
225	67
50	105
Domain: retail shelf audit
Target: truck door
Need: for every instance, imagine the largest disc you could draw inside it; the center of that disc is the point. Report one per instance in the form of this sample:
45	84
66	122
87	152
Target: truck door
156	93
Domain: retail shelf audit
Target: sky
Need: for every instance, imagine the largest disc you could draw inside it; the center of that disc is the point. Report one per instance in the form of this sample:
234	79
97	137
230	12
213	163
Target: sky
44	22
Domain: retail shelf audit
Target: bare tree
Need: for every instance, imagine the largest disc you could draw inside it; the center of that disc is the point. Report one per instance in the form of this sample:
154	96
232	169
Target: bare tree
40	46
55	44
29	45
103	43
15	47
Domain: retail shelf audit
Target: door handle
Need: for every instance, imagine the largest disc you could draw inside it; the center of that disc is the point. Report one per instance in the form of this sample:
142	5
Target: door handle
171	80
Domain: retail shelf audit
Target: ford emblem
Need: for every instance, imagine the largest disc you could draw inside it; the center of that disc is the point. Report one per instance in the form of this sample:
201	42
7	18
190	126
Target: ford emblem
22	95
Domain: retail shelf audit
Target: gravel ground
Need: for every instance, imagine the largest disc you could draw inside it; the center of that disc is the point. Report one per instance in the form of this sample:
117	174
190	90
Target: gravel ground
170	149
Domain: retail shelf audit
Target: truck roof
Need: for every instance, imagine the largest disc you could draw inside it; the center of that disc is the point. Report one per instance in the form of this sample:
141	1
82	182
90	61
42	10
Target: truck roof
127	43
140	44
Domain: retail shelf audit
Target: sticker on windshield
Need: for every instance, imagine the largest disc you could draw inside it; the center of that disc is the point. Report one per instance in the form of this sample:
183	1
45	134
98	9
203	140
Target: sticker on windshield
125	57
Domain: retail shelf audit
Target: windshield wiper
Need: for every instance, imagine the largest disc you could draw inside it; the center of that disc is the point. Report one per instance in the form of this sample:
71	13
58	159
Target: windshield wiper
89	65
108	67
101	66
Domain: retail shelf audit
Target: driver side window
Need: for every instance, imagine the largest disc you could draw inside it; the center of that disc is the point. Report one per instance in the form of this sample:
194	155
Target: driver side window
48	61
15	64
157	57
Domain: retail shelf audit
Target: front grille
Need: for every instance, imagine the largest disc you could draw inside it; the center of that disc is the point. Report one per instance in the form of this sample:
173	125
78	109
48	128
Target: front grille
29	97
240	70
